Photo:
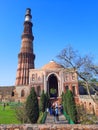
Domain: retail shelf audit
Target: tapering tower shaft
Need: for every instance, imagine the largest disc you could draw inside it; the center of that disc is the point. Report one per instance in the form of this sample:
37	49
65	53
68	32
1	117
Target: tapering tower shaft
26	56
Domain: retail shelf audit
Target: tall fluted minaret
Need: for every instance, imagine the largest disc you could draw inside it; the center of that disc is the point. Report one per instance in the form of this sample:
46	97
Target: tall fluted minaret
26	56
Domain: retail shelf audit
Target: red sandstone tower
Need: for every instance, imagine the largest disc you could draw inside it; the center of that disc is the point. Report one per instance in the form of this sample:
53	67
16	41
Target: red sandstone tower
26	56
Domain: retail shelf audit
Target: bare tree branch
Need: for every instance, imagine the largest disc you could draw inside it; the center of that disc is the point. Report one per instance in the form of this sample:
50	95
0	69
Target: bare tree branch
82	65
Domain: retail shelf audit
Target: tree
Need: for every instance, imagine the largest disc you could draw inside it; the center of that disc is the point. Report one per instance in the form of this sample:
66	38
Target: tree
64	102
47	100
43	102
71	106
83	66
32	107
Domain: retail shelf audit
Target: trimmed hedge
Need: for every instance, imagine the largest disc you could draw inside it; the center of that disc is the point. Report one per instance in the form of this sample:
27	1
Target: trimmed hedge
68	118
42	118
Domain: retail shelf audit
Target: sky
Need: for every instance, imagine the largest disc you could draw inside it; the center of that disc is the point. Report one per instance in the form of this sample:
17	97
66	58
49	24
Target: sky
56	24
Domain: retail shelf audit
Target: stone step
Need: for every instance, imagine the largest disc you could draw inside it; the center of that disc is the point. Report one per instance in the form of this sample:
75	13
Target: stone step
51	120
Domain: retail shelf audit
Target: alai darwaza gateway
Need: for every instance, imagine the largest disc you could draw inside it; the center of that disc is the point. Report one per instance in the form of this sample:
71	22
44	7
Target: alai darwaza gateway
53	79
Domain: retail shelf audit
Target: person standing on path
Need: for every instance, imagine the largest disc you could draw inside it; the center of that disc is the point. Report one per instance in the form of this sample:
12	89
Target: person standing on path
53	112
56	114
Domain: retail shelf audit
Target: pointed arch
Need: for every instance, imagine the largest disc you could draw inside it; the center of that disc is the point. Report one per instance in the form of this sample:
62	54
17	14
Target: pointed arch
22	93
52	85
13	93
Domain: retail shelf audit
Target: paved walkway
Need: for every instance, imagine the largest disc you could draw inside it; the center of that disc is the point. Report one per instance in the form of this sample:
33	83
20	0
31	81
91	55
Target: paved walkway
50	119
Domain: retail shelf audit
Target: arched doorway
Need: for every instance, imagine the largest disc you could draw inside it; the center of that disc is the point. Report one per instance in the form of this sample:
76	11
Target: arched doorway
53	85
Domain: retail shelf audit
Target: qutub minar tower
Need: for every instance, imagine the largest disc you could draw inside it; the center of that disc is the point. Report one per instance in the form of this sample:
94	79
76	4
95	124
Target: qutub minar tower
26	56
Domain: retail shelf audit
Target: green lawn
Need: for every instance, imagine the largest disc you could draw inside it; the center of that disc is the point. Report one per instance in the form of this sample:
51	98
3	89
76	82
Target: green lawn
7	116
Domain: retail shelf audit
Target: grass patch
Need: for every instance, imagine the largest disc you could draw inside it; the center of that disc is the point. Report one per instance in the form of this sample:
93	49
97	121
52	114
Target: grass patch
8	116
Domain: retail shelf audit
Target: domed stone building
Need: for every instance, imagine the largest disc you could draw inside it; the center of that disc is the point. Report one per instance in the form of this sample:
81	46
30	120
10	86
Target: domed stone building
53	79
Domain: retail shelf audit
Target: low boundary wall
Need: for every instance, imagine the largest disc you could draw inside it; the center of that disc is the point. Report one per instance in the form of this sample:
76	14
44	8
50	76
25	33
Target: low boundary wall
48	127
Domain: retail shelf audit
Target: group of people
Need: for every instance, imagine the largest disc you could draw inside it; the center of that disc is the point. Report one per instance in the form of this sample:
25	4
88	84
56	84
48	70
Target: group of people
55	110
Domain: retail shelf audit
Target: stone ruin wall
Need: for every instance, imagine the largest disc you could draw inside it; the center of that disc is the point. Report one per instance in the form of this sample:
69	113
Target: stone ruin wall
89	105
48	127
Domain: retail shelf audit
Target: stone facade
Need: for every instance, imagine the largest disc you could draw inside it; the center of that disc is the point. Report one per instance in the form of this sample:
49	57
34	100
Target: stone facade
53	75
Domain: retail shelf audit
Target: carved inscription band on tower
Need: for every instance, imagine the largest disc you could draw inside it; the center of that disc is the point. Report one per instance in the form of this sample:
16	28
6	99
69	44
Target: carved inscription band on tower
26	56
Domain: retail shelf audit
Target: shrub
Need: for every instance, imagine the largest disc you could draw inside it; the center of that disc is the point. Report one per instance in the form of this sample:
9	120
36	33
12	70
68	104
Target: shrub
32	108
85	118
21	114
64	101
47	100
40	117
71	106
44	117
43	102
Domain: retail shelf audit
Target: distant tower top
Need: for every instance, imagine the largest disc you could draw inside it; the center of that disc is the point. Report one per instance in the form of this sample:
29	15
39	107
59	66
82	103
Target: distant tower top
28	16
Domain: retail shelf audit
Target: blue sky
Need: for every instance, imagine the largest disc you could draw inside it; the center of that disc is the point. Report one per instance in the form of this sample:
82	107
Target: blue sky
57	23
